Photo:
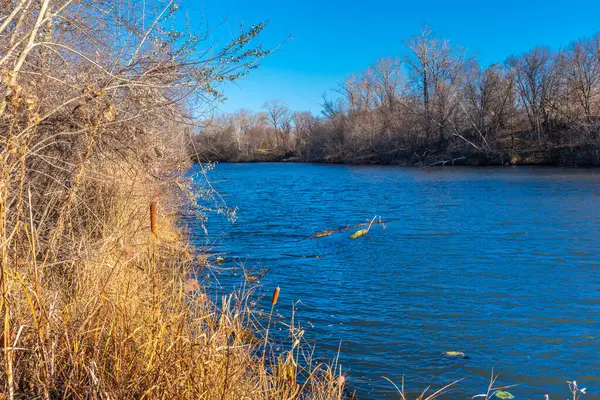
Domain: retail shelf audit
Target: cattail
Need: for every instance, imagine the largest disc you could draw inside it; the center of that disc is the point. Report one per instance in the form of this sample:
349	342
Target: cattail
153	218
275	296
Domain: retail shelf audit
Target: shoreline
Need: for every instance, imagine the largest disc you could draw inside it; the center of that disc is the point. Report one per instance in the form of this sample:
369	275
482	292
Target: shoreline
399	164
555	156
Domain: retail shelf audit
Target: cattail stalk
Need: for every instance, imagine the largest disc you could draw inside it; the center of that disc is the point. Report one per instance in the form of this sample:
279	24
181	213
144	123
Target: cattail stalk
153	219
273	302
153	263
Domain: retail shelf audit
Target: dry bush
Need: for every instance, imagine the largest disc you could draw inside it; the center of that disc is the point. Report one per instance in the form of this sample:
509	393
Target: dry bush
97	102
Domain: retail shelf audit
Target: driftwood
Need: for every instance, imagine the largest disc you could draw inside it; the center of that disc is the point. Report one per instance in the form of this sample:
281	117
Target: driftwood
444	162
329	232
321	234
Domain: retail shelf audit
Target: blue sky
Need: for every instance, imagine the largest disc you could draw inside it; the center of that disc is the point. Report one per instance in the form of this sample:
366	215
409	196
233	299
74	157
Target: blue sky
330	39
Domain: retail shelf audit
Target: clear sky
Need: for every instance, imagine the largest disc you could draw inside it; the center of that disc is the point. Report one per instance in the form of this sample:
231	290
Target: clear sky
330	39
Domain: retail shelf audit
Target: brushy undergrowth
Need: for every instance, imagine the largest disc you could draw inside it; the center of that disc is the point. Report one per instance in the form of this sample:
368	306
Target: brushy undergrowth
97	99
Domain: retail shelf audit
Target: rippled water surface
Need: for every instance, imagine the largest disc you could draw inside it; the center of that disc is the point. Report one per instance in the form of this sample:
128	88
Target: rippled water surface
499	263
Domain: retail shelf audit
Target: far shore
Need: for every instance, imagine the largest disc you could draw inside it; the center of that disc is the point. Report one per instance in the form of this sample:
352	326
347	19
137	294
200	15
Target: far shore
542	158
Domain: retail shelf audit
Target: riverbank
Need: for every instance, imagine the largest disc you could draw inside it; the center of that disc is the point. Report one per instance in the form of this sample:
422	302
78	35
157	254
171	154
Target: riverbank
115	309
563	156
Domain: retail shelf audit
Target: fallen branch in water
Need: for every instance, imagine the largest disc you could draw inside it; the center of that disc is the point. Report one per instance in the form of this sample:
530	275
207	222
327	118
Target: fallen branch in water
444	162
329	232
324	233
363	232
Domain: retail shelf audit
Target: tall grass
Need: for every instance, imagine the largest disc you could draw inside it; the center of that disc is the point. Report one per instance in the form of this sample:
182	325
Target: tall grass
120	325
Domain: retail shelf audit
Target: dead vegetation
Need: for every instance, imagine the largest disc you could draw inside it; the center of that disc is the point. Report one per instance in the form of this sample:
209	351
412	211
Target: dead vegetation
99	299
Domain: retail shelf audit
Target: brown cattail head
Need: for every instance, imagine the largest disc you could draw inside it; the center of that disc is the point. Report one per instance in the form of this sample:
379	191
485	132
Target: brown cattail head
153	218
275	296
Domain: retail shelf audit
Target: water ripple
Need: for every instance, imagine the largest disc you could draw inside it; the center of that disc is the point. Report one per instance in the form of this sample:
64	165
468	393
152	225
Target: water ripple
500	263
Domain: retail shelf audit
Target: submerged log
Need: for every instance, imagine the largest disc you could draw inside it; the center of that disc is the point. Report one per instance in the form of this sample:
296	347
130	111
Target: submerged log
329	232
321	234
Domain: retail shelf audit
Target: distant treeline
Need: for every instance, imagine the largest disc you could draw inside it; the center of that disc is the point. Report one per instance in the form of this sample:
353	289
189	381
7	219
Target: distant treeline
435	105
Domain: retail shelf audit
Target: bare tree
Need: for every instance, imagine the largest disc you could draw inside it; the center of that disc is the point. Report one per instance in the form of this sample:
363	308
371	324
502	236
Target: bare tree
279	117
331	108
536	84
386	78
489	96
304	123
583	73
436	73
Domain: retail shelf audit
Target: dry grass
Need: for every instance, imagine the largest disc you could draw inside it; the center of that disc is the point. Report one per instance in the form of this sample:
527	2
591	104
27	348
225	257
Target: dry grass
120	319
98	292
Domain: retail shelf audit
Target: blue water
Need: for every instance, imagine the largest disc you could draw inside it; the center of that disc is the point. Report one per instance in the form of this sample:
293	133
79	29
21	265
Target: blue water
499	263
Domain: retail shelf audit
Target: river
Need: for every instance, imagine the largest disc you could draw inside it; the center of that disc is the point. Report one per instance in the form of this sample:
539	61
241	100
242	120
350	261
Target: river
499	263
